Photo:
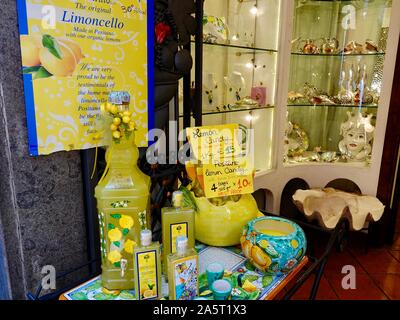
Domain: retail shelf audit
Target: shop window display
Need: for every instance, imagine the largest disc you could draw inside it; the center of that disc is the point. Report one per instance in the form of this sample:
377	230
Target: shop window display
337	59
240	68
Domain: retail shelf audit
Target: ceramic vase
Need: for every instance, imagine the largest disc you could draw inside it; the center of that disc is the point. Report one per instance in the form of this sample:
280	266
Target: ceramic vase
273	245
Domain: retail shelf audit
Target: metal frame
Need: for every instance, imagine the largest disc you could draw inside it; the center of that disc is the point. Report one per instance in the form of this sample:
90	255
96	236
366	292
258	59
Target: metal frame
318	264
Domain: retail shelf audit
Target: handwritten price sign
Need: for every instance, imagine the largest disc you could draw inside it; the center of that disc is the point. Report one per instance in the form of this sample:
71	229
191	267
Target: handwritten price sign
228	179
224	169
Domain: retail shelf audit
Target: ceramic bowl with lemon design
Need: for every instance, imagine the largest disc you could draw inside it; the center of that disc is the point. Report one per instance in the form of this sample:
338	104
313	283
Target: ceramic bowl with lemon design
273	245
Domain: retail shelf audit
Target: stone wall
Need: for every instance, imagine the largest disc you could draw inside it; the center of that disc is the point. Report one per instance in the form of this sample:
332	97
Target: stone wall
41	199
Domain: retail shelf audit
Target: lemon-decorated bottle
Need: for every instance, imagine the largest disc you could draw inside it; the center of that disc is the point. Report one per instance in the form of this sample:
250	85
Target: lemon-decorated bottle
123	200
147	266
176	221
183	268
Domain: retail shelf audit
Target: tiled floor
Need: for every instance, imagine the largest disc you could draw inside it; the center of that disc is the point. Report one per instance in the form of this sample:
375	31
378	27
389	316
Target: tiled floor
377	274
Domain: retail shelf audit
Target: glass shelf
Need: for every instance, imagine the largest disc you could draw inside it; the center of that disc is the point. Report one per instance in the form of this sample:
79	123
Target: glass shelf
375	54
364	106
244	109
233	46
346	129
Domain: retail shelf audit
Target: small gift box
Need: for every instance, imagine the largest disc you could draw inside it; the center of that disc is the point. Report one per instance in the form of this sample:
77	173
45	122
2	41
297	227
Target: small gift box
259	94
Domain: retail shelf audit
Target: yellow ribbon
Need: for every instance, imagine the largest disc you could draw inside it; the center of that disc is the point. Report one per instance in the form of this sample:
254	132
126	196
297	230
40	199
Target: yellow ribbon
107	166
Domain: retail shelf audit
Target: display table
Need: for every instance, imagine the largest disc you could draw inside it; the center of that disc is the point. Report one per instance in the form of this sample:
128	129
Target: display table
247	283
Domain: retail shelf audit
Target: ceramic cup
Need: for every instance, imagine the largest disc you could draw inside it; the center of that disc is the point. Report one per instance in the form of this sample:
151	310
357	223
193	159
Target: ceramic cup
214	271
221	289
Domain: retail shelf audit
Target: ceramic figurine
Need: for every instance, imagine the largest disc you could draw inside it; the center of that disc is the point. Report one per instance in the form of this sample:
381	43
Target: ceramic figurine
297	140
273	244
330	45
293	96
310	47
236	84
371	47
286	141
357	133
210	86
353	47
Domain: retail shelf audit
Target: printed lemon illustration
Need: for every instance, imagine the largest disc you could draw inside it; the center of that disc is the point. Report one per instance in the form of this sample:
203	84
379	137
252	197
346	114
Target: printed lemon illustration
114	235
114	256
263	243
129	246
246	246
29	51
110	292
126	222
73	46
260	258
148	294
294	243
249	287
60	56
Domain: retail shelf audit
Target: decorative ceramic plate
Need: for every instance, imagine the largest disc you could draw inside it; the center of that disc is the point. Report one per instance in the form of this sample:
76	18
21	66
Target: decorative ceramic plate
298	141
215	29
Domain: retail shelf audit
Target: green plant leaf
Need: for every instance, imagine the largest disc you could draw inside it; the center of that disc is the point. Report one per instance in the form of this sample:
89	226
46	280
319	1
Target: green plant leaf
249	266
111	226
116	216
253	295
42	73
249	277
117	243
266	281
188	198
203	281
31	69
117	264
125	231
52	45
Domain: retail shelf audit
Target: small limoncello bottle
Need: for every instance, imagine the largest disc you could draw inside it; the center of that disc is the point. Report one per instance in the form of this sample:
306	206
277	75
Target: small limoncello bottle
147	268
176	221
183	272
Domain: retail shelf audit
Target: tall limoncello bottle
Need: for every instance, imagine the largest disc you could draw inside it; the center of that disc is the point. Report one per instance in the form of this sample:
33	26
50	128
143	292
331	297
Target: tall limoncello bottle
176	221
123	200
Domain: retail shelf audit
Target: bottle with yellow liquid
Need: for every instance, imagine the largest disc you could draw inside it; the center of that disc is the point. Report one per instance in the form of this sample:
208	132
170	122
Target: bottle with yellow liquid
176	221
147	266
183	266
123	200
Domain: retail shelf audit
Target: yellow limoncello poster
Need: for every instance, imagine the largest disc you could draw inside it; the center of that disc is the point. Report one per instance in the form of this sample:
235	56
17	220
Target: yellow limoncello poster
74	53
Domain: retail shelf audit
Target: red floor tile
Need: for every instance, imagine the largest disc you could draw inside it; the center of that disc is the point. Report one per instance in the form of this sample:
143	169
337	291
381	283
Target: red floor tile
378	261
396	244
325	291
395	253
366	289
337	260
389	283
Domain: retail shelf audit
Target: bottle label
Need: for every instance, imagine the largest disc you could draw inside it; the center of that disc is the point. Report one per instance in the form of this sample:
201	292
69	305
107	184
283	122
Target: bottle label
185	273
147	275
177	230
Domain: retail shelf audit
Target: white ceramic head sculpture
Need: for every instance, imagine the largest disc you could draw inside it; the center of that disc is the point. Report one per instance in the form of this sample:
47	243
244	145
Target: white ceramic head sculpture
357	133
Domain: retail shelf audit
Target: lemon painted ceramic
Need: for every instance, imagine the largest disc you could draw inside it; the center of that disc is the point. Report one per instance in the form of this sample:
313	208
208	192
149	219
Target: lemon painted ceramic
273	244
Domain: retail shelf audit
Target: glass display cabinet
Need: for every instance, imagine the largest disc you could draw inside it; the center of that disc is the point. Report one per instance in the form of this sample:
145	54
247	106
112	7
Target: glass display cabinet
336	71
240	52
312	78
